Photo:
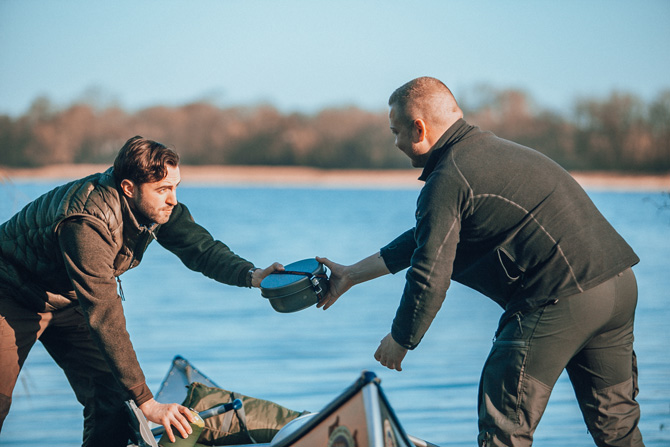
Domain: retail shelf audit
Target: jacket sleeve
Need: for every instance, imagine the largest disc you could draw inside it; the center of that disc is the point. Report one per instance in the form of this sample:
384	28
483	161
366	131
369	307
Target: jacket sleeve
199	251
397	255
87	252
438	224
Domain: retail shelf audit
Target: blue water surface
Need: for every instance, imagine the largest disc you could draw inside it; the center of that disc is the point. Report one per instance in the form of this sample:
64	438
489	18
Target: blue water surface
305	359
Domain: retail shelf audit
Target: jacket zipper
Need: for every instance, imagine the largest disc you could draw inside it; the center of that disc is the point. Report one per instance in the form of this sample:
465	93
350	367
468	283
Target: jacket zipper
148	241
123	297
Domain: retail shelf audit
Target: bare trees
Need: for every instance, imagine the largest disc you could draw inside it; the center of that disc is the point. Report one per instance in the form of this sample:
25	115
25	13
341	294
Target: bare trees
620	132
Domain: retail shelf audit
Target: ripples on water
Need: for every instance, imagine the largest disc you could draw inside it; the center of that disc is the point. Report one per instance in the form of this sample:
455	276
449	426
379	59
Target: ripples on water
304	360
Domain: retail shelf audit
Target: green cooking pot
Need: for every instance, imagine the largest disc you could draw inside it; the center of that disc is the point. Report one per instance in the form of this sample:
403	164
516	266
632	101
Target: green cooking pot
301	285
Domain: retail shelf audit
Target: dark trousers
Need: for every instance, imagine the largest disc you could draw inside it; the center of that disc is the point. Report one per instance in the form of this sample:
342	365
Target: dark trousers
591	336
66	337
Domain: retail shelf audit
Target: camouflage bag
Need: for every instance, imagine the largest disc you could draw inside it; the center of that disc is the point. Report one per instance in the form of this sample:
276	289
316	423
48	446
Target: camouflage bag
256	422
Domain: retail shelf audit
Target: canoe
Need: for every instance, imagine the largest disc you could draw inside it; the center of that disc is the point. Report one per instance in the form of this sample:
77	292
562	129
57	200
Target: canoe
361	416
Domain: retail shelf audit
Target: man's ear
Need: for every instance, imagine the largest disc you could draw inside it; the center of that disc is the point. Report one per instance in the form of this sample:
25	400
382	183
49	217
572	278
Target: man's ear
419	128
128	188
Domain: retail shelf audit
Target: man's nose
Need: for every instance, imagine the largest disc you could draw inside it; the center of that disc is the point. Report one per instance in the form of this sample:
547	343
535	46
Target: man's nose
172	198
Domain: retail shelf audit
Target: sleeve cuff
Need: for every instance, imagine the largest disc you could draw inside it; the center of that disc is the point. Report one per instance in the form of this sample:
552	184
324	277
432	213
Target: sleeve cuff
141	393
397	255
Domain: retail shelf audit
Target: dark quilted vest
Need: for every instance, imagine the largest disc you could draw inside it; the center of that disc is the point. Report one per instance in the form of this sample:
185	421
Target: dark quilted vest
30	258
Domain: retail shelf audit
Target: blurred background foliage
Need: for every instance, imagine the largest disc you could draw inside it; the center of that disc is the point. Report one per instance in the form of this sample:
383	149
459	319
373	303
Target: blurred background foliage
617	133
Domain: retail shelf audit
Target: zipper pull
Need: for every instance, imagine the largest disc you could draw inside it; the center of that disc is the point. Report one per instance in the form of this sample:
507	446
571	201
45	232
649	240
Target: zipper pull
123	297
151	230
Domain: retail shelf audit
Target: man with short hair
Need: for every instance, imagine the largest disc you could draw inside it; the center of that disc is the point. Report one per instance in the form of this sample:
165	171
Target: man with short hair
510	223
60	259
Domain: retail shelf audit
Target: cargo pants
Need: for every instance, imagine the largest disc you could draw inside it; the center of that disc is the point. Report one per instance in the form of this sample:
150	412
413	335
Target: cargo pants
591	336
66	337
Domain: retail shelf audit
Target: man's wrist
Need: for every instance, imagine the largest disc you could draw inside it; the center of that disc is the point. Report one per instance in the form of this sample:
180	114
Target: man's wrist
250	276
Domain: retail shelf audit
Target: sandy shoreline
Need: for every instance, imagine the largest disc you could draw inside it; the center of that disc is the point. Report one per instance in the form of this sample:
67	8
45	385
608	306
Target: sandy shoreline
301	176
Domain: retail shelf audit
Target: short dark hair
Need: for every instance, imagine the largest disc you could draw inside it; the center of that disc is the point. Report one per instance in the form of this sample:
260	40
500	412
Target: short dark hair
143	161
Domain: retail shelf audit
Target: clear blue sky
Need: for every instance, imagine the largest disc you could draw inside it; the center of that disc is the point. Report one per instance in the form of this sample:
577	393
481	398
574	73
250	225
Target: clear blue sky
306	55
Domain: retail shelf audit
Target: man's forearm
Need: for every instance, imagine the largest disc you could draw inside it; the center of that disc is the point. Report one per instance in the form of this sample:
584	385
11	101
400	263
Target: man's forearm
366	269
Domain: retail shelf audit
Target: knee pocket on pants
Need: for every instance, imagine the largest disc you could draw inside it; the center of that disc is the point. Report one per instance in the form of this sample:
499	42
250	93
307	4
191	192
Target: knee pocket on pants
503	380
512	401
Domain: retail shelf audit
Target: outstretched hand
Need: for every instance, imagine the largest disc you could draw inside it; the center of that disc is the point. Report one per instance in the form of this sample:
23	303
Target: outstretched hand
259	275
339	283
169	416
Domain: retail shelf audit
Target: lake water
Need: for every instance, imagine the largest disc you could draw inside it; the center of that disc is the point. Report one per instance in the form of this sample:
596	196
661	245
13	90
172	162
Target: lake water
305	359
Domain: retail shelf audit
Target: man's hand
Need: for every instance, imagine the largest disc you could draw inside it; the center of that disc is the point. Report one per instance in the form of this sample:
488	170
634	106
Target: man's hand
169	415
343	278
390	354
339	283
260	274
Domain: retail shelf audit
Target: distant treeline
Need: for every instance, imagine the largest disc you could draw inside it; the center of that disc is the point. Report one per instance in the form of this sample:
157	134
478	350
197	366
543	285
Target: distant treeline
619	133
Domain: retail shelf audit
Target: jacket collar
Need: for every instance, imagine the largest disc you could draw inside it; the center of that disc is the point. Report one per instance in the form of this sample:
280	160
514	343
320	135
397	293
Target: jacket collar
452	135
